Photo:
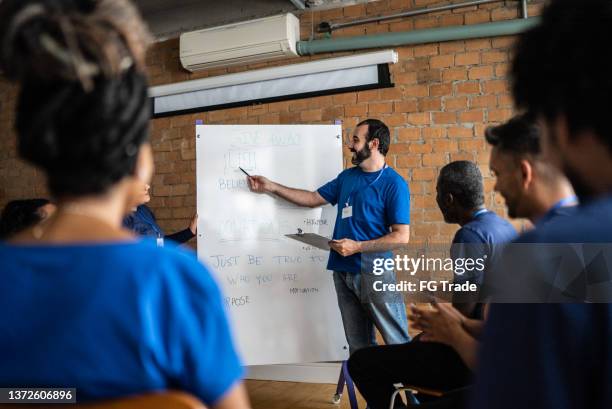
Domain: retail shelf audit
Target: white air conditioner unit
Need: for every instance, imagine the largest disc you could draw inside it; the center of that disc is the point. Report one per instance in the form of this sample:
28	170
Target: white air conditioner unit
240	43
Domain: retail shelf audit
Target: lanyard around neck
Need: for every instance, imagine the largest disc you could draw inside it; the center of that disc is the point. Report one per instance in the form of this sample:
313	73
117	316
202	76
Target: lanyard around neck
149	220
478	213
348	199
566	201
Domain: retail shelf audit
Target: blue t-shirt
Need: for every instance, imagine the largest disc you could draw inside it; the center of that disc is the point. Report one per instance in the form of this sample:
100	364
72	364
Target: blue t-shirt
482	237
142	222
378	199
552	215
586	223
546	356
559	356
113	320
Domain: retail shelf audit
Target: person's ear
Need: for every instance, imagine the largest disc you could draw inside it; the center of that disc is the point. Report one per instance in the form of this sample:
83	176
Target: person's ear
449	200
375	143
526	169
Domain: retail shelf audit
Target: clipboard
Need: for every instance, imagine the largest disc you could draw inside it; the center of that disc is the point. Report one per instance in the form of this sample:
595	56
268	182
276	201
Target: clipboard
312	239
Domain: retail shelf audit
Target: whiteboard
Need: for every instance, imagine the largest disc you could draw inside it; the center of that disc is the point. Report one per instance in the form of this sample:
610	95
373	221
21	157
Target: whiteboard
280	297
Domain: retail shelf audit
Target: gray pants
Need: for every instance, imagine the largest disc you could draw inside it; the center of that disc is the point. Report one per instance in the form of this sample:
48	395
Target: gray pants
362	309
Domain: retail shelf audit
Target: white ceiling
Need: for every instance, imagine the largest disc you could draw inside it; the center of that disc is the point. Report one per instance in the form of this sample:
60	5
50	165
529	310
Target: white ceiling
169	18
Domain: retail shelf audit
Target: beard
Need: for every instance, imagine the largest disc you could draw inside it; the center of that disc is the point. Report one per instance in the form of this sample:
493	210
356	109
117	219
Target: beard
511	204
511	210
361	155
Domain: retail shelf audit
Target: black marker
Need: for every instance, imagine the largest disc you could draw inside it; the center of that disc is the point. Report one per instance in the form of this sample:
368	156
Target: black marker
244	171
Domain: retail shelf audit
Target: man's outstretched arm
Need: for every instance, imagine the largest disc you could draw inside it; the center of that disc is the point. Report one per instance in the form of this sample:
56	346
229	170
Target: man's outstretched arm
306	198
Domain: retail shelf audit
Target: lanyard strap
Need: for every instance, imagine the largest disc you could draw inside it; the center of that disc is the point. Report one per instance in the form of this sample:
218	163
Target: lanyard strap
479	212
145	218
348	199
566	201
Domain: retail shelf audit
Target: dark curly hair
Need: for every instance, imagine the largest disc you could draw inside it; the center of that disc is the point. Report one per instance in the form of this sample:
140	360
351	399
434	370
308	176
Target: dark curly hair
519	136
463	180
83	108
561	67
19	215
377	130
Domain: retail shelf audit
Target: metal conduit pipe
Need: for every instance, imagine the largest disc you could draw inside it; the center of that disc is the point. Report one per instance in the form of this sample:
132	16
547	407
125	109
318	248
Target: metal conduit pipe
324	27
434	35
299	4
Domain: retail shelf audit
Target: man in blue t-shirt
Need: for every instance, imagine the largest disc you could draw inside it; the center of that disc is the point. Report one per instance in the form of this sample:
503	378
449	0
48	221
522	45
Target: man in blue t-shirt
373	217
532	189
460	197
530	185
440	365
560	355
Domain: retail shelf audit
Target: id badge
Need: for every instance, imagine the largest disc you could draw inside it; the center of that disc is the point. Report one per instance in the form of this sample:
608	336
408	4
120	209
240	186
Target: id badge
160	242
347	212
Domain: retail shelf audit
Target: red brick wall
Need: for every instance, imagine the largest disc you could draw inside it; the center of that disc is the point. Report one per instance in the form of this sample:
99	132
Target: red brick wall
17	178
445	95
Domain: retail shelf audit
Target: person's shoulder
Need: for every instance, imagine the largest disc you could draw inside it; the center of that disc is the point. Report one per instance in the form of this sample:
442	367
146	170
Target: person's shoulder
347	173
565	211
559	230
174	264
587	223
138	264
468	234
4	249
128	221
143	208
144	254
491	227
393	177
353	170
146	248
180	256
391	173
595	213
493	218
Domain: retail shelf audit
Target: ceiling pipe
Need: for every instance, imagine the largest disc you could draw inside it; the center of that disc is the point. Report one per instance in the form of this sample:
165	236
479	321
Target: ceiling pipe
299	4
328	28
434	35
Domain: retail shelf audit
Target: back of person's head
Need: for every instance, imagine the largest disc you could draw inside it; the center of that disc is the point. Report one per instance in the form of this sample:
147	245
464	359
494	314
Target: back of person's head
83	108
463	180
378	130
19	215
560	70
520	136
